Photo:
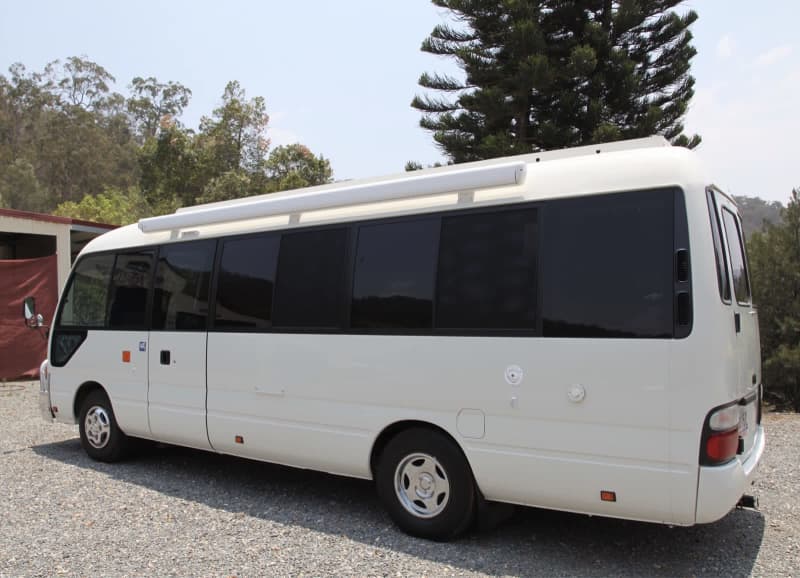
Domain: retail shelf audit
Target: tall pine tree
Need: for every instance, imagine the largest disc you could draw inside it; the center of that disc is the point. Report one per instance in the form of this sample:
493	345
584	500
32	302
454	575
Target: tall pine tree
548	74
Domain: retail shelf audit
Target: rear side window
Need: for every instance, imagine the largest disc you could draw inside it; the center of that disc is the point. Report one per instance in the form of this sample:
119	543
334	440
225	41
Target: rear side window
719	254
607	266
310	280
86	300
133	273
741	282
246	282
487	271
180	295
395	272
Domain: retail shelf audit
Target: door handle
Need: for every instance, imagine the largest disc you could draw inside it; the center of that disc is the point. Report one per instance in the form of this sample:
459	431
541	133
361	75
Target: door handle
165	357
737	321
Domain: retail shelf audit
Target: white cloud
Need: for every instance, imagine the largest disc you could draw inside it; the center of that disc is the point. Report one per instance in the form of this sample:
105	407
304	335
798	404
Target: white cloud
725	47
773	55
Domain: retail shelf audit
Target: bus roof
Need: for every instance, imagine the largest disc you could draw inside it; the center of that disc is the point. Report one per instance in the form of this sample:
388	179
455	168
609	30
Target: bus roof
623	165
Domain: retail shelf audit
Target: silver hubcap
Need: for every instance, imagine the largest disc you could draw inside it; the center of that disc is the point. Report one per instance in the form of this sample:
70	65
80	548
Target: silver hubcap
421	485
97	426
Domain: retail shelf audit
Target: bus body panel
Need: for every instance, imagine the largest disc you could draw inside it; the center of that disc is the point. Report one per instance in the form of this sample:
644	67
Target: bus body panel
321	400
101	359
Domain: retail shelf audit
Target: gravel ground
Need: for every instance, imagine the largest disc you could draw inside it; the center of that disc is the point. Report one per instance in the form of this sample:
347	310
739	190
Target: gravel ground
173	511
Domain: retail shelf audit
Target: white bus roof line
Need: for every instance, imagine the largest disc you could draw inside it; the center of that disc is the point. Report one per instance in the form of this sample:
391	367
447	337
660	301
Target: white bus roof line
412	186
468	177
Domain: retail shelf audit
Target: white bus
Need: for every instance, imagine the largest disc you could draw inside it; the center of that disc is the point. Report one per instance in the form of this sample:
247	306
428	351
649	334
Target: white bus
570	330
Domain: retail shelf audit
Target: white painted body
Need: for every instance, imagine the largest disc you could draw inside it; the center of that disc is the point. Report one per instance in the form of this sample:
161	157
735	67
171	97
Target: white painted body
571	418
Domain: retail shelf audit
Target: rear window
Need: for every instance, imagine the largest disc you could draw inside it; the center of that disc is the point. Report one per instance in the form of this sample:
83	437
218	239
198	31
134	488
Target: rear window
607	266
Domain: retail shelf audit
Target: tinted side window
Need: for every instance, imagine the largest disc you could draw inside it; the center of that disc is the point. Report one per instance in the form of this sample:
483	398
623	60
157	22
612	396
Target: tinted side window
722	264
487	271
741	284
129	285
180	296
394	275
86	300
246	280
607	266
308	290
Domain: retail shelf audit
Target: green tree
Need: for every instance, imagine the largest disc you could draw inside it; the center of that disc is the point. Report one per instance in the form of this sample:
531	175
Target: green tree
79	82
65	132
546	74
154	103
112	206
68	141
234	136
233	184
775	268
168	164
755	212
23	99
20	189
294	166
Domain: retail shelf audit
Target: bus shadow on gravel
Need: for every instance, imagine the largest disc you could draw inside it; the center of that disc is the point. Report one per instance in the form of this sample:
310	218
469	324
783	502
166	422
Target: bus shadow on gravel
530	542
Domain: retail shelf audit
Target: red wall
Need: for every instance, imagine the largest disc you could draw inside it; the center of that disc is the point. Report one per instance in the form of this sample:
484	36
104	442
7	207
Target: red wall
22	349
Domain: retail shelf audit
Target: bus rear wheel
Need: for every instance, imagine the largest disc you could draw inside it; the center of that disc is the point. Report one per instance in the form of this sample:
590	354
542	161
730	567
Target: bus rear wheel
426	484
101	437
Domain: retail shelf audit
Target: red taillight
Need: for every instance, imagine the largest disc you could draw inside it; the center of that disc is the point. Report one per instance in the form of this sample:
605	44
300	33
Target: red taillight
721	446
721	436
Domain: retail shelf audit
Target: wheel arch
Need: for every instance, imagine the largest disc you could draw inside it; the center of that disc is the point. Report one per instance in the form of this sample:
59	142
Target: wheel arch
400	426
83	391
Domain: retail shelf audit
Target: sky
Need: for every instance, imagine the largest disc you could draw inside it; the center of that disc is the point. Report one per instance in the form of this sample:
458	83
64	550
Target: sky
339	76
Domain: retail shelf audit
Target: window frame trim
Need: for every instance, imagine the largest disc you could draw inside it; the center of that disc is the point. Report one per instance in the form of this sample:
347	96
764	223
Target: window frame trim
740	240
713	208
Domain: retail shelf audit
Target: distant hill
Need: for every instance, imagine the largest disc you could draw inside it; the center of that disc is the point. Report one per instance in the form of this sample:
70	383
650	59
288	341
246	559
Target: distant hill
755	211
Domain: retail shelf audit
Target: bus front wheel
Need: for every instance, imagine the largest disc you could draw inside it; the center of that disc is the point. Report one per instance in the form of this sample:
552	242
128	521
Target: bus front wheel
426	484
101	437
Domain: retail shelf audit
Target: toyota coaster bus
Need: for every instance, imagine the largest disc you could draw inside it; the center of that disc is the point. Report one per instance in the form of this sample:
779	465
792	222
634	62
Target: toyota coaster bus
570	330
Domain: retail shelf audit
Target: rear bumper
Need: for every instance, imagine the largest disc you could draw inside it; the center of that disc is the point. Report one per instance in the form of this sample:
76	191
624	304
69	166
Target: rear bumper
720	487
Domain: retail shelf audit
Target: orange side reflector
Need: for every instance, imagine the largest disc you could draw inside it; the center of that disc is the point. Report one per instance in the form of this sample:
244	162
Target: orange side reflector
126	357
239	440
608	496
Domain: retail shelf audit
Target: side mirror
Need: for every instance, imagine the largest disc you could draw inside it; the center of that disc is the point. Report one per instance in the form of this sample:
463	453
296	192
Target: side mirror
29	308
32	319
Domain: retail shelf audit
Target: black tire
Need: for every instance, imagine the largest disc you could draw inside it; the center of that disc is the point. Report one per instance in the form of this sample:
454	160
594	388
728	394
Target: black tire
426	484
101	437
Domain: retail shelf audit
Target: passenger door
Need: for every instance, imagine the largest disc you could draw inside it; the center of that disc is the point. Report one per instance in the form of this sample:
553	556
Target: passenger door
124	345
177	356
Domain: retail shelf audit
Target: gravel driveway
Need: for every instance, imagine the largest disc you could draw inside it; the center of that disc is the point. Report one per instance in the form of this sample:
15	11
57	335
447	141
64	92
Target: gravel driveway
174	511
